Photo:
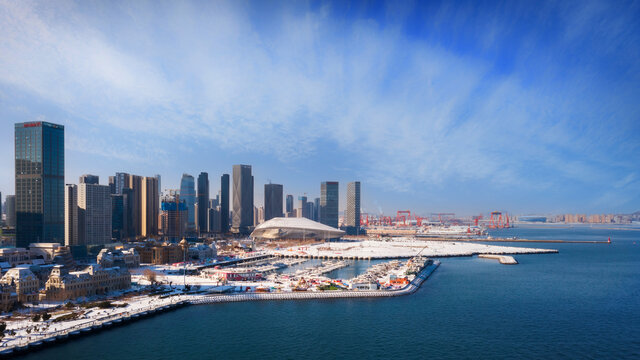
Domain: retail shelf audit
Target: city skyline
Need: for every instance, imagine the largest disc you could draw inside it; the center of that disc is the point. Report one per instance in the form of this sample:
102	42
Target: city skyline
534	114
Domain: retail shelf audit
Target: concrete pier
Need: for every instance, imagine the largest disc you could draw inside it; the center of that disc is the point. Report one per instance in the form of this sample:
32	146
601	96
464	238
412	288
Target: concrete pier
503	259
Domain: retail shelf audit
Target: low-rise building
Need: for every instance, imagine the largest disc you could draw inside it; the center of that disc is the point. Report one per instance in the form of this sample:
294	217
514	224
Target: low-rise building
122	258
25	282
8	297
232	274
52	253
157	253
15	256
94	280
202	251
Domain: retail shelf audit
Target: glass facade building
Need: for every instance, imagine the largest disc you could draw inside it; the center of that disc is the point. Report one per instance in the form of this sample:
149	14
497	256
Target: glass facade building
272	201
39	179
329	198
203	202
188	194
224	203
242	199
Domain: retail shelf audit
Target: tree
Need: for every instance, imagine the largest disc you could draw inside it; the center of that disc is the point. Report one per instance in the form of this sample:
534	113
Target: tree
150	275
36	318
46	316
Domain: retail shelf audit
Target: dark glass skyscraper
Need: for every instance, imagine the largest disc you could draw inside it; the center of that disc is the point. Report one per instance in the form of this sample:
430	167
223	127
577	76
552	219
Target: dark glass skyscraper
39	165
329	197
242	199
203	202
188	194
272	201
224	203
289	208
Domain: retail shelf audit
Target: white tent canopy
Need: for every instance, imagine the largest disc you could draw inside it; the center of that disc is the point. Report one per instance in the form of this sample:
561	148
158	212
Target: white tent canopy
294	228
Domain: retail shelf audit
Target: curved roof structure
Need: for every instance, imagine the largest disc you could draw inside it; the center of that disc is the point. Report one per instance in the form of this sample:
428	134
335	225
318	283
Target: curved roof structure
294	228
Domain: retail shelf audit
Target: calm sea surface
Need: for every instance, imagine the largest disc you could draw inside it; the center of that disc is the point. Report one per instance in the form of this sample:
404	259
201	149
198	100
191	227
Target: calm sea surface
581	303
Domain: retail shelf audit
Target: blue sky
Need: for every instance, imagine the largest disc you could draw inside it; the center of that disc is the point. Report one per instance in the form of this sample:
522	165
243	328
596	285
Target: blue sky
467	107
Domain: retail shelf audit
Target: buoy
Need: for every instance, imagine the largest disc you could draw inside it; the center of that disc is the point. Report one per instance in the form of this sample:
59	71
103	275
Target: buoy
609	240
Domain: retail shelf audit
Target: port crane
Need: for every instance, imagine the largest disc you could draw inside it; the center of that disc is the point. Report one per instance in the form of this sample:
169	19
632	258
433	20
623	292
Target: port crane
497	221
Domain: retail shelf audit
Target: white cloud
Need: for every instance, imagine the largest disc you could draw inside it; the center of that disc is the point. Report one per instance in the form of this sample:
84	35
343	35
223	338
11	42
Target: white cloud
407	109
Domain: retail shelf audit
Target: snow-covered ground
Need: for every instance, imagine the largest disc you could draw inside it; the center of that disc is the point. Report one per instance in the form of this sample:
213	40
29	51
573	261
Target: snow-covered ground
403	248
27	331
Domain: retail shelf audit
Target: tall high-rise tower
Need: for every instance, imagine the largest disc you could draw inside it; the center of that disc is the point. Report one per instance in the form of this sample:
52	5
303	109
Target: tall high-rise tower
302	209
10	210
224	203
203	202
39	176
272	201
352	212
188	194
329	197
71	215
94	212
289	208
242	199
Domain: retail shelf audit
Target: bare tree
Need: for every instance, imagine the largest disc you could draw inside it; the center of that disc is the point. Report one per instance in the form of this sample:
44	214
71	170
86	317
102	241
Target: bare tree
150	275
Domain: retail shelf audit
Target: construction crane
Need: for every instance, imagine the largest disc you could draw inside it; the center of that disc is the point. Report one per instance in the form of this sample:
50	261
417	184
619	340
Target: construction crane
406	220
476	219
497	221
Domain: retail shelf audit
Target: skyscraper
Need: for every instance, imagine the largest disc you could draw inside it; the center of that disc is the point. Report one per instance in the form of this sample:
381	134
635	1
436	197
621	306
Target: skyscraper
118	216
112	184
242	198
150	206
302	209
214	220
174	217
128	230
316	209
94	213
188	194
71	215
203	202
89	179
10	210
289	204
352	212
272	201
224	203
142	203
310	210
39	177
329	197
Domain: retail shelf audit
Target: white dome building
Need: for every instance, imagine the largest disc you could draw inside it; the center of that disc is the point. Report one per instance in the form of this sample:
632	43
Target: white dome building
294	228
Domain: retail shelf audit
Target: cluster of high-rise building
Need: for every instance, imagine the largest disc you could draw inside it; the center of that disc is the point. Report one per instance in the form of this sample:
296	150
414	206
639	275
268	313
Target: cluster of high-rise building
131	207
591	219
